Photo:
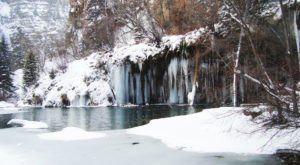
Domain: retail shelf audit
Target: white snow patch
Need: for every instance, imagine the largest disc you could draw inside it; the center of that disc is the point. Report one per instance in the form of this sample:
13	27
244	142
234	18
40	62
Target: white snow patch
18	83
28	124
4	104
217	130
71	134
4	9
172	41
135	53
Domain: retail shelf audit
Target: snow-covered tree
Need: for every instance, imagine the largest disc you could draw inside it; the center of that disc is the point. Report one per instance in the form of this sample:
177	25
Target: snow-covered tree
6	82
30	72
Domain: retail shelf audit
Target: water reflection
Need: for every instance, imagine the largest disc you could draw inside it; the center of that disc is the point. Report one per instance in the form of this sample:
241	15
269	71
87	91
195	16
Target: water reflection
101	118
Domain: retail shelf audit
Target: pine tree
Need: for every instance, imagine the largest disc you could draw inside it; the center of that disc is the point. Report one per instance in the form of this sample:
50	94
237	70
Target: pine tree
30	69
20	44
6	82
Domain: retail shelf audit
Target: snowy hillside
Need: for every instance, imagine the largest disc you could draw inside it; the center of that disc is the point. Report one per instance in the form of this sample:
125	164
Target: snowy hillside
82	83
98	79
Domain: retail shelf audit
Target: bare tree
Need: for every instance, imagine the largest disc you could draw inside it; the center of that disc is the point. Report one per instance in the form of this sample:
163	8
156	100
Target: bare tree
236	10
137	16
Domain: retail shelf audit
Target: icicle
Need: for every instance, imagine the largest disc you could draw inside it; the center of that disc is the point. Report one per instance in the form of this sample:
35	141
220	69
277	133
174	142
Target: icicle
82	100
184	66
79	101
140	66
132	92
146	90
191	95
76	101
139	99
183	81
180	90
120	75
162	94
172	72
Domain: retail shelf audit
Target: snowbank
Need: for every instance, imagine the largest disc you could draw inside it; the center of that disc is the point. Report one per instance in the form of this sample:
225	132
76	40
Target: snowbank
70	134
28	124
82	83
4	104
217	130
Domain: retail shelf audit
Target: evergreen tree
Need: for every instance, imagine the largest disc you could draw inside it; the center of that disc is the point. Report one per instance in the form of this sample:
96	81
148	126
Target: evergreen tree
30	70
6	82
20	43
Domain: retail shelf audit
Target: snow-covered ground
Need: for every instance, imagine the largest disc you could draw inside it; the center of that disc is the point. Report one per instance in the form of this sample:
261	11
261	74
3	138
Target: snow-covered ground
82	82
22	146
216	136
71	134
218	130
8	108
4	104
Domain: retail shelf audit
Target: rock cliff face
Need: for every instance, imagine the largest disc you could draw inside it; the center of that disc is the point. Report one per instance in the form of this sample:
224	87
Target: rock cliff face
33	24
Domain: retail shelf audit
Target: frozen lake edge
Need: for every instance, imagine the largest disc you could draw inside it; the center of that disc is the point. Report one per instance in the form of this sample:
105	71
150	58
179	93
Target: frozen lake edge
23	146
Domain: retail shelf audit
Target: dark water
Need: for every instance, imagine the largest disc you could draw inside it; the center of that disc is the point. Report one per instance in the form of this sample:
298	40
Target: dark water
100	118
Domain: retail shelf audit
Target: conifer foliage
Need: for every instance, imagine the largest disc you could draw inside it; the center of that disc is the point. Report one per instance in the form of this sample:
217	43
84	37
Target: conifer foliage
6	82
30	71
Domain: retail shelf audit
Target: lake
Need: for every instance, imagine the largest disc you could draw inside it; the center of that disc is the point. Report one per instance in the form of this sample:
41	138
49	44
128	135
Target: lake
98	118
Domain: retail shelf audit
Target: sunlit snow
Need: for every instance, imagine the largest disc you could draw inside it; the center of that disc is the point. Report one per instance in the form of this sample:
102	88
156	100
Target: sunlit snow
218	130
4	104
71	133
28	124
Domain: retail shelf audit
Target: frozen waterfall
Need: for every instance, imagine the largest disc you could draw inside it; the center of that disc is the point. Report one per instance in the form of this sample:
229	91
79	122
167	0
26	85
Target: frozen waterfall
167	81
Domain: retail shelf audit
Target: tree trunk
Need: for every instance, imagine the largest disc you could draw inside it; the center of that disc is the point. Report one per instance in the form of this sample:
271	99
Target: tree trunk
236	65
287	34
297	37
191	95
